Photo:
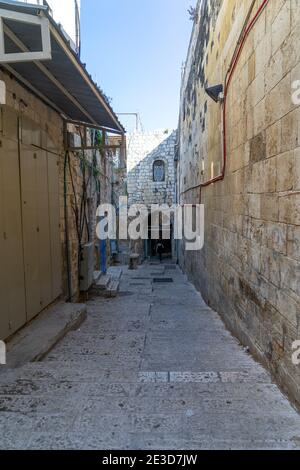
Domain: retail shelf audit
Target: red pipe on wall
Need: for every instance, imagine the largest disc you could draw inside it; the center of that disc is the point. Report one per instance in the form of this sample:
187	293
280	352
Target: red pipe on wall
228	79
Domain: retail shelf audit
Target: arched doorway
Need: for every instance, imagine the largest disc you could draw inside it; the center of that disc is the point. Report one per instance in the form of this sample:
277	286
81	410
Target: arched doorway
159	231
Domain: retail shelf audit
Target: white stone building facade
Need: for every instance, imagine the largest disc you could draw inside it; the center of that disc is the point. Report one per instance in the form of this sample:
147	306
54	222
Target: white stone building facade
151	180
151	171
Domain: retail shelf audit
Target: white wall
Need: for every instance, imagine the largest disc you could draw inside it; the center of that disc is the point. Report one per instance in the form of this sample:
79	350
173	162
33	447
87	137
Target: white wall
64	13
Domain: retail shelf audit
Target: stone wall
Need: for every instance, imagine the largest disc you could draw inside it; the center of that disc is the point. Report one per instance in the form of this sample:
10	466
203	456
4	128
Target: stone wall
94	175
249	269
143	149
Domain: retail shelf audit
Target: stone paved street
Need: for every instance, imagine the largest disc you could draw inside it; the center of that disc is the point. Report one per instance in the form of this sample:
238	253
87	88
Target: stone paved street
154	368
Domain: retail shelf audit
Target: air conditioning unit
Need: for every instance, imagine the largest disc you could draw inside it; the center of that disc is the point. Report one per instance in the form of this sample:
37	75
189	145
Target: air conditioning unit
87	267
74	140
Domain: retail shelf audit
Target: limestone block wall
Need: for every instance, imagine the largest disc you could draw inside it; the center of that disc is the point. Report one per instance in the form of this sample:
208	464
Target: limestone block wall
143	149
249	269
90	178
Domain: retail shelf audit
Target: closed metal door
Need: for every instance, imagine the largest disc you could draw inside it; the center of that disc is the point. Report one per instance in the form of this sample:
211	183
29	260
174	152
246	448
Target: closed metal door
44	230
54	217
30	216
4	307
12	288
30	248
41	219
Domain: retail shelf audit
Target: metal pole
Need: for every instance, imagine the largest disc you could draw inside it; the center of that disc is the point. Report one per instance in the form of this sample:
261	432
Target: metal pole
132	114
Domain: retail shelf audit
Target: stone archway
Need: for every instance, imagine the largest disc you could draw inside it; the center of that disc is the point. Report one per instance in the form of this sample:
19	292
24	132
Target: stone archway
160	229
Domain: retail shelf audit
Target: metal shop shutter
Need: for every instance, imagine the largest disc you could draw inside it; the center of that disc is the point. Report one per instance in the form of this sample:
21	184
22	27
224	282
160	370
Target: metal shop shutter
30	248
30	215
41	217
54	217
12	289
40	199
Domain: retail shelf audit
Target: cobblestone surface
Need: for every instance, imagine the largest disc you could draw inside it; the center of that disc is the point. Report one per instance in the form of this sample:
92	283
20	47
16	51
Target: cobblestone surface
152	369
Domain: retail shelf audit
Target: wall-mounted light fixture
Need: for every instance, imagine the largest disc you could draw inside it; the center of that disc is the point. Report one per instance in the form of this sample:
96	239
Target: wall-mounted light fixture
216	93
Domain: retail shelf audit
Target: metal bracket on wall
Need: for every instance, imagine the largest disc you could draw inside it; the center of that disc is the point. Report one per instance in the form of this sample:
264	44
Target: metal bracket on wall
25	55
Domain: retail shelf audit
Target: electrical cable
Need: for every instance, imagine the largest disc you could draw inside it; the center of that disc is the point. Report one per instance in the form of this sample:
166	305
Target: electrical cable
228	79
238	50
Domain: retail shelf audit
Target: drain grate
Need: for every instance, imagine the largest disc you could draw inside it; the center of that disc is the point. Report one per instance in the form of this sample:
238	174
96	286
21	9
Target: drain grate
138	284
162	280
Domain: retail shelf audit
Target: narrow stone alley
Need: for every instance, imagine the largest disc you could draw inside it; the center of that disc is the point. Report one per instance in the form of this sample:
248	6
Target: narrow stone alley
154	368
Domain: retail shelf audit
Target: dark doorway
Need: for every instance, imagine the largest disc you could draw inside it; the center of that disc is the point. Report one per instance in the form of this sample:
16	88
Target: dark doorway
152	243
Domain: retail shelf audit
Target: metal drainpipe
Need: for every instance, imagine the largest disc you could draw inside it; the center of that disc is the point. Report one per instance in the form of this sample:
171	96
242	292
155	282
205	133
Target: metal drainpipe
228	79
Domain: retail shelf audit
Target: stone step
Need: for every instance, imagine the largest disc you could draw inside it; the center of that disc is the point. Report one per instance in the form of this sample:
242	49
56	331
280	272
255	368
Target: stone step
36	339
97	275
114	287
107	285
103	282
111	290
115	273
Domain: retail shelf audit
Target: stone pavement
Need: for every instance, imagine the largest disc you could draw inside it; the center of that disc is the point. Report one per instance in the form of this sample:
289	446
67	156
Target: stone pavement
154	368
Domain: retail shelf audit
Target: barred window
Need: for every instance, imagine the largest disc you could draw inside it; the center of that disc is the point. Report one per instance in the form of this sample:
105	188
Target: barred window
159	171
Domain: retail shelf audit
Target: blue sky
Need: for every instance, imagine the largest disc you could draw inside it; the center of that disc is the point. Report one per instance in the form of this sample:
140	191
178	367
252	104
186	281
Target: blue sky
134	50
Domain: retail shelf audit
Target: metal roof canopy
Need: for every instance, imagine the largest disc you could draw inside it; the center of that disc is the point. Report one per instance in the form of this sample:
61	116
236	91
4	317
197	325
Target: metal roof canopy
62	82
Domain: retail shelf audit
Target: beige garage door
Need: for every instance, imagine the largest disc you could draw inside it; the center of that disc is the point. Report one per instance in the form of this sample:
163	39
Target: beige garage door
30	279
12	287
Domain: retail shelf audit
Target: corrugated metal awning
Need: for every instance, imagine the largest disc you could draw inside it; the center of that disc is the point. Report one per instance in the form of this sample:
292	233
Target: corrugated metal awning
63	81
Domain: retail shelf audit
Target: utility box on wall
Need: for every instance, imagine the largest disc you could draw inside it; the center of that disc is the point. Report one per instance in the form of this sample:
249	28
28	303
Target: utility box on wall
87	267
